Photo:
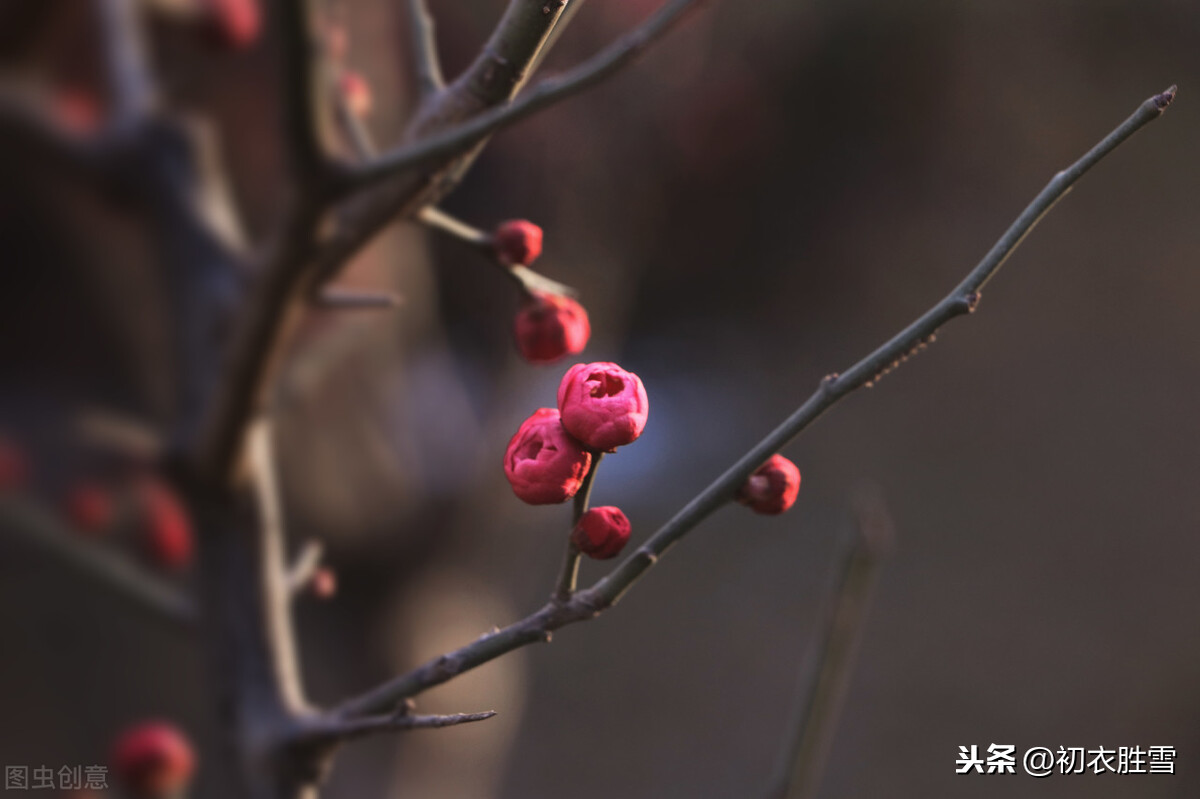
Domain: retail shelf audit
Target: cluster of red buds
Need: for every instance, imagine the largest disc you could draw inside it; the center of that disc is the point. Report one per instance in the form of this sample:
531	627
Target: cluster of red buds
600	407
153	760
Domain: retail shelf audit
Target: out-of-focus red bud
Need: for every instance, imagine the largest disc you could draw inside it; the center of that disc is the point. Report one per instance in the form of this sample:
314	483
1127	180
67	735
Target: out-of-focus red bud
14	467
357	92
154	760
233	24
517	241
90	508
549	327
324	583
166	528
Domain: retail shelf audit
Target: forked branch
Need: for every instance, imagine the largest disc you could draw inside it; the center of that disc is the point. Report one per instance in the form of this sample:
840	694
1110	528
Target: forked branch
608	590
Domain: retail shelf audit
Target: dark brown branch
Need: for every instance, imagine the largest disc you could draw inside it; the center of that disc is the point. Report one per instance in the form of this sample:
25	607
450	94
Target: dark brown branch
548	92
590	602
826	674
426	64
333	730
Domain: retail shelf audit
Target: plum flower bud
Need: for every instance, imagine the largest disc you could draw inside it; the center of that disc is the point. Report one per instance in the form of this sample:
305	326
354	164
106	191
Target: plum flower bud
772	488
232	24
602	405
550	326
153	759
166	529
357	92
90	508
543	464
323	584
601	532
13	467
517	241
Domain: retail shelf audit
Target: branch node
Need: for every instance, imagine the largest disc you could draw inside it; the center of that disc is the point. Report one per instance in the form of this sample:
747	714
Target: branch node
1163	101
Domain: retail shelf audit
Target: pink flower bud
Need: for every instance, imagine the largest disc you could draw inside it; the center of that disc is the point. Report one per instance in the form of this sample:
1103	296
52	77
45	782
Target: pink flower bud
90	508
357	92
232	24
14	469
549	326
324	583
517	241
165	527
543	464
601	532
153	759
772	488
602	405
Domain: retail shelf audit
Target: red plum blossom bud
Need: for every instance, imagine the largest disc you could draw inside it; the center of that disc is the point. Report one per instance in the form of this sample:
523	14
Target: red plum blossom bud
324	583
601	532
550	326
165	527
90	508
153	759
357	92
772	488
233	24
14	469
602	405
517	241
543	464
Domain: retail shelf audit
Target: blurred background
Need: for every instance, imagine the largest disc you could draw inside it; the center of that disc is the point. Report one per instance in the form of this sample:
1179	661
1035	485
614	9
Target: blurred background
762	199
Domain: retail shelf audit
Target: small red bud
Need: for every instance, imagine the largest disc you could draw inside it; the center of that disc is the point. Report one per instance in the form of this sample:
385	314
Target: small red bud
153	759
517	241
601	532
232	24
90	508
78	110
357	92
165	527
543	464
324	583
14	468
549	327
603	405
772	488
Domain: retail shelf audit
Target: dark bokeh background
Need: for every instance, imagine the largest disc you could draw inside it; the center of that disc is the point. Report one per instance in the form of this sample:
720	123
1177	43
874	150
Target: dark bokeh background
762	199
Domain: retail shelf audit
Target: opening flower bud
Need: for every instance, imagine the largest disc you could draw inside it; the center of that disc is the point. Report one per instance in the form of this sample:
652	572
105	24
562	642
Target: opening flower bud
153	759
772	488
165	527
601	532
602	405
550	326
543	463
517	241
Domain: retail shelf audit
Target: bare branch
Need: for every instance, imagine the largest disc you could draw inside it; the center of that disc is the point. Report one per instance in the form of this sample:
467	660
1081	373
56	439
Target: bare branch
332	729
336	299
546	93
129	76
109	569
426	63
592	601
826	673
305	566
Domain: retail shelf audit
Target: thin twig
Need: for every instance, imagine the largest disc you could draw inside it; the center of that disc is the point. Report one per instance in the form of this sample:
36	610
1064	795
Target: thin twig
527	280
828	664
426	64
333	729
547	92
305	565
108	568
568	577
590	602
129	76
337	299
